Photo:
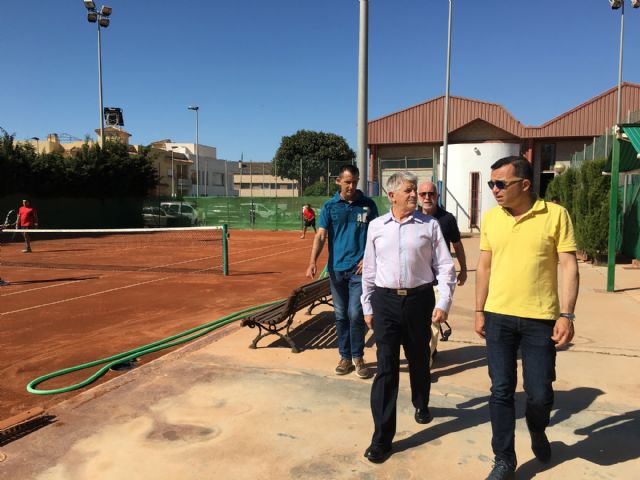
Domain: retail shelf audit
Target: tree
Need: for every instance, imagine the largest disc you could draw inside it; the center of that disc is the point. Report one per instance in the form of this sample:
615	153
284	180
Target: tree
591	208
319	189
315	151
89	171
584	191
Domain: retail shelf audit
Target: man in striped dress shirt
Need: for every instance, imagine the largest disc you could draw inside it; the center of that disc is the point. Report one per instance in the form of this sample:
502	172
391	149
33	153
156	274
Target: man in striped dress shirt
404	248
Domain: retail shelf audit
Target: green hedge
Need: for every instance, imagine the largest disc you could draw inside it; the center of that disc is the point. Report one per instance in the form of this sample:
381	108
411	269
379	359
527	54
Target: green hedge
584	192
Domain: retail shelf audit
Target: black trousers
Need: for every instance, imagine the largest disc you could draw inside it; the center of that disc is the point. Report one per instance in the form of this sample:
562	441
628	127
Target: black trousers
399	320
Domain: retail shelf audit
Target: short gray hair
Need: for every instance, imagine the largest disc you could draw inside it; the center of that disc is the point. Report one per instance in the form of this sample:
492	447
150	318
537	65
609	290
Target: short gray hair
397	179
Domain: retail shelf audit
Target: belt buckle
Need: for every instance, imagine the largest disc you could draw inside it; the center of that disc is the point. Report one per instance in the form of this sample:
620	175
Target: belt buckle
402	292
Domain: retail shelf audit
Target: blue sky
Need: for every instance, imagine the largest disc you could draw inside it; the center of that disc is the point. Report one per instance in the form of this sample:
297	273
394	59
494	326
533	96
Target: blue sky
261	69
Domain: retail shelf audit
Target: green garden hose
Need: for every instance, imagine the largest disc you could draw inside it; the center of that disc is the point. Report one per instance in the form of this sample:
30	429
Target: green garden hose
174	340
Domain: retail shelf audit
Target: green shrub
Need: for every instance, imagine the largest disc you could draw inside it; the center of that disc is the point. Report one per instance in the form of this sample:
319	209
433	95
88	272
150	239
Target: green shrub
585	193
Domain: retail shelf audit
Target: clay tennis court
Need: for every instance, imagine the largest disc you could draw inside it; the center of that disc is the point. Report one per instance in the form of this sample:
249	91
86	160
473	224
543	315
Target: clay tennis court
72	301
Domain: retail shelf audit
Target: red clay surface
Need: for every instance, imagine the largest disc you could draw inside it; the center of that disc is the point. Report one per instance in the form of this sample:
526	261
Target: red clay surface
55	317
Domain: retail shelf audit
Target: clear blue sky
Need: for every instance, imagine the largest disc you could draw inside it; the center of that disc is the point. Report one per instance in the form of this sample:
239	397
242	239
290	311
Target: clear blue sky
262	69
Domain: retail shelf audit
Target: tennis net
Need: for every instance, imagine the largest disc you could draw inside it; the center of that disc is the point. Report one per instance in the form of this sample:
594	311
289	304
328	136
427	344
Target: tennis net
201	250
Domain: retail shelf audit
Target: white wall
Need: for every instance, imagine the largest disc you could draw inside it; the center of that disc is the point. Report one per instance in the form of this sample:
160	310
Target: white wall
464	159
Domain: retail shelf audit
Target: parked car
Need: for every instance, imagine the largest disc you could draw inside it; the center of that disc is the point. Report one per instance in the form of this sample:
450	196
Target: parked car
259	209
157	217
185	211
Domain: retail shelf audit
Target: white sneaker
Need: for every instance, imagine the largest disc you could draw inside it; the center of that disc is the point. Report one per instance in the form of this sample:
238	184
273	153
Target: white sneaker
3	283
27	250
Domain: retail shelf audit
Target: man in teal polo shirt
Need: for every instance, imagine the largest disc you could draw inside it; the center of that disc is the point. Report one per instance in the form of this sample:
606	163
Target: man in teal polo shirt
344	221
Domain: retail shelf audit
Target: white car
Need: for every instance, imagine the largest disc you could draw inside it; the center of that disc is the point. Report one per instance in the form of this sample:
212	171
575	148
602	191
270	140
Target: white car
181	209
157	217
259	209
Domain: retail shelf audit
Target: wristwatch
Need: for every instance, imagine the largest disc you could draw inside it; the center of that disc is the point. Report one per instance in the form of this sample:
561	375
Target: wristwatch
568	316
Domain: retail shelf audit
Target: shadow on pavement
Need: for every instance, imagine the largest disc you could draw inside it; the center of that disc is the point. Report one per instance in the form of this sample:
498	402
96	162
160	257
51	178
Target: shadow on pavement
475	412
608	442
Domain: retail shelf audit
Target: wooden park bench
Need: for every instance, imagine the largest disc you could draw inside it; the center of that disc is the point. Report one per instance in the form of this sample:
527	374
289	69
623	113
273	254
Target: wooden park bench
274	319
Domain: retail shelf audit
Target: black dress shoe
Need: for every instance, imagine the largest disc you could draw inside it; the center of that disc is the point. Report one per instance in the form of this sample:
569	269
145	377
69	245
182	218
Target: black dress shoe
423	415
540	446
377	454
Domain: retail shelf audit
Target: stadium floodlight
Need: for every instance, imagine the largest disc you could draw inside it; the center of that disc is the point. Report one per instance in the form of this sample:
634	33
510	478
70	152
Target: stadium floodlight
101	18
615	4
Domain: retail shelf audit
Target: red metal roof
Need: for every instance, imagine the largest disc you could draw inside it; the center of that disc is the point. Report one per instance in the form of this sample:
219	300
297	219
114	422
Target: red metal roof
423	123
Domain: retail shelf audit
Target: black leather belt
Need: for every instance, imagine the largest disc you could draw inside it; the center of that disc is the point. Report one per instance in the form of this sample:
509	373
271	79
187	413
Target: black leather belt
404	292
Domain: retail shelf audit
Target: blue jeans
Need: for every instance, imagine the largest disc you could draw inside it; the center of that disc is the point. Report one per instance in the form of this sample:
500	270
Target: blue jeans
505	334
346	289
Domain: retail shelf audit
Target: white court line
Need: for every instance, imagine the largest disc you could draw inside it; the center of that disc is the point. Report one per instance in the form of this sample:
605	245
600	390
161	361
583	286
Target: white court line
116	273
80	297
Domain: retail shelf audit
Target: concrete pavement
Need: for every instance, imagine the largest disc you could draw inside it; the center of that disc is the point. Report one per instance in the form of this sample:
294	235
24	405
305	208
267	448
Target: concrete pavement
216	409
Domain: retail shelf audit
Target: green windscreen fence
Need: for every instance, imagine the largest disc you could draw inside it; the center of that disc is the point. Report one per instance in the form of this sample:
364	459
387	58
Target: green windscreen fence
260	213
631	219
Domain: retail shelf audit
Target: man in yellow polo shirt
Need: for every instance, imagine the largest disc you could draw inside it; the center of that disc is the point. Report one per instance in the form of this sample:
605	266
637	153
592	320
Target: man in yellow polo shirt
517	305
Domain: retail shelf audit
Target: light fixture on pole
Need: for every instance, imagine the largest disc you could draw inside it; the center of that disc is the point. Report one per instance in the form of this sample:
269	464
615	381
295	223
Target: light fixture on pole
195	108
615	158
101	18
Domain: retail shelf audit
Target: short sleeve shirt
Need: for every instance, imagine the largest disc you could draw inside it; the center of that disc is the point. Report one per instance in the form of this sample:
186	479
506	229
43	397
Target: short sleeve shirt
448	225
524	259
347	224
27	216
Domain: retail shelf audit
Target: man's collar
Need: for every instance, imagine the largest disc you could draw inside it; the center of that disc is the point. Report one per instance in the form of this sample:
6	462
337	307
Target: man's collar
356	197
416	216
538	205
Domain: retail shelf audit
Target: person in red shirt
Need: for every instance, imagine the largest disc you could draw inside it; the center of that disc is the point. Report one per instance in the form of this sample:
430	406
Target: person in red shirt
309	219
27	218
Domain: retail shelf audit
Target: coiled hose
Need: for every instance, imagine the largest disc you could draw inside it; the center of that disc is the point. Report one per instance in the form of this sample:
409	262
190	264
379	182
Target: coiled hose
171	341
130	355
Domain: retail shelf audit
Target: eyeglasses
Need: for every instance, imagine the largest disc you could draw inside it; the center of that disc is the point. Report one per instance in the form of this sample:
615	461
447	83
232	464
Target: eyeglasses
501	184
427	194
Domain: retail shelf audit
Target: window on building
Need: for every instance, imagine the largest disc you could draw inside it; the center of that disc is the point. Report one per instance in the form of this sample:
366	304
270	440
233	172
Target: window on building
548	156
408	163
217	179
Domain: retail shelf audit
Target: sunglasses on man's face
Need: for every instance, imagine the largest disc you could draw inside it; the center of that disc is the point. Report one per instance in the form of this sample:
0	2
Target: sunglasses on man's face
427	194
502	184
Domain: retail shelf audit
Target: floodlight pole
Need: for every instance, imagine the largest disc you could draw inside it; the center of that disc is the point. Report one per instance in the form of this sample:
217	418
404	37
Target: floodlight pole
100	85
362	96
173	177
173	174
445	126
619	106
101	18
196	109
615	166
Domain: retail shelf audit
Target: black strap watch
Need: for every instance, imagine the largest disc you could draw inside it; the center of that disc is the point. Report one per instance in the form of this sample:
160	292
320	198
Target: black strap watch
568	316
